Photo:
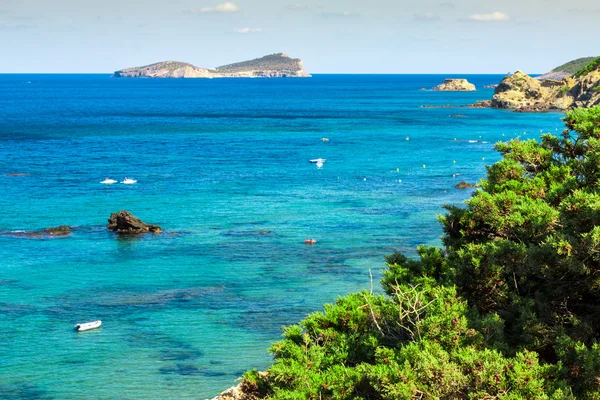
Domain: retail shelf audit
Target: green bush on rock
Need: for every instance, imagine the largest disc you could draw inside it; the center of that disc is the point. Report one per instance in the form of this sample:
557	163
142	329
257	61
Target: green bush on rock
509	309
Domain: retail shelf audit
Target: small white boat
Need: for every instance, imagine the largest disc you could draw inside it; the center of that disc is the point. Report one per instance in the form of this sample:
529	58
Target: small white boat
128	181
108	181
88	326
317	161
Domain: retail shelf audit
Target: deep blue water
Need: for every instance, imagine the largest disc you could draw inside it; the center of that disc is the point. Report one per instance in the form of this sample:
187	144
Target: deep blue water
222	166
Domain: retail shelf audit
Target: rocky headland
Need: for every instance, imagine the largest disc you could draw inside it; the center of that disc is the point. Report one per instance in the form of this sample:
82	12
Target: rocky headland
521	92
277	65
455	85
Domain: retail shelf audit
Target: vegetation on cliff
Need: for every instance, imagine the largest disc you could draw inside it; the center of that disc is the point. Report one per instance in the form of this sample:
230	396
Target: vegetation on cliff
593	65
510	308
279	62
575	65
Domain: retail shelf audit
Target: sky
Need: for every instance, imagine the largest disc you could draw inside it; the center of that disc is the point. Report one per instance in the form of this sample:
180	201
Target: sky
330	36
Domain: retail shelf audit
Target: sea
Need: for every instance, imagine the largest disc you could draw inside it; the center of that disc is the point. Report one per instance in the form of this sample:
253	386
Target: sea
223	167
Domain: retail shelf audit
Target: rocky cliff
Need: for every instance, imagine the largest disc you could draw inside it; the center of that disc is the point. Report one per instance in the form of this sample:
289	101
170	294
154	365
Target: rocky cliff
277	65
524	93
455	85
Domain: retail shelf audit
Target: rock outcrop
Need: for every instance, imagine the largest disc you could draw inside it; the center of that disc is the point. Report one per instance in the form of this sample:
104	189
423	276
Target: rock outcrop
455	85
464	185
277	65
124	222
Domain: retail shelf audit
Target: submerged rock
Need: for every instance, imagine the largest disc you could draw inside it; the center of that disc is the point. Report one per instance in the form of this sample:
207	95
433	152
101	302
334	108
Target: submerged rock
17	174
124	222
455	85
62	230
464	185
437	106
59	231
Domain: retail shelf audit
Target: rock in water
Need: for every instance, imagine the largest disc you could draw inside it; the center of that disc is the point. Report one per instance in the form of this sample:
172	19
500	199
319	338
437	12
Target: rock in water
455	85
47	233
62	230
464	185
124	222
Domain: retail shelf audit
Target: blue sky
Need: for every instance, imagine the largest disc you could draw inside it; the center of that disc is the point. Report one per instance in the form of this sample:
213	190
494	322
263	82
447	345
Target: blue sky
332	36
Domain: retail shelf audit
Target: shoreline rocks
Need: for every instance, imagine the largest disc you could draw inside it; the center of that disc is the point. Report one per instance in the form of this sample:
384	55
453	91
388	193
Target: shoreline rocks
455	85
233	393
481	104
125	222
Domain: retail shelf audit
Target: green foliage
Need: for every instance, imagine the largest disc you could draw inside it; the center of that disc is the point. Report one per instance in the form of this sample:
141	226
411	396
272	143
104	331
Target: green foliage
588	68
564	90
575	65
509	309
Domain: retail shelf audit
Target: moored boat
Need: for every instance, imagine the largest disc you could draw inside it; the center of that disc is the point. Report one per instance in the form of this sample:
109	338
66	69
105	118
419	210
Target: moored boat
129	181
317	161
88	326
108	181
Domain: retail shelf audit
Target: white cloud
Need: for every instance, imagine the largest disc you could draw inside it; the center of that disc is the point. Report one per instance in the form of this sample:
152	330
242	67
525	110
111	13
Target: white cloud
495	16
221	8
340	14
13	26
248	30
297	6
428	16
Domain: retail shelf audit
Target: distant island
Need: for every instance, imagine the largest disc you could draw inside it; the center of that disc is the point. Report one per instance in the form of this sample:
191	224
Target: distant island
277	65
455	85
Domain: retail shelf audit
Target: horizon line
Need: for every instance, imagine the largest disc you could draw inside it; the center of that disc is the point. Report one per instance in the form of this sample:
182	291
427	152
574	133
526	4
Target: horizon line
311	73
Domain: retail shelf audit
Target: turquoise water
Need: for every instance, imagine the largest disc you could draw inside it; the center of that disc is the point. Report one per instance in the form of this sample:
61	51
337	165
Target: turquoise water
222	166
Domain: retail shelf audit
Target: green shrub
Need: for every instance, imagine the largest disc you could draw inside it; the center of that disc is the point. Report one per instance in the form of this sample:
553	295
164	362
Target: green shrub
509	309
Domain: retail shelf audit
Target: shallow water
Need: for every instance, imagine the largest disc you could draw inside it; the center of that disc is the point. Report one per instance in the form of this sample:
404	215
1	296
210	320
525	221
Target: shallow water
222	166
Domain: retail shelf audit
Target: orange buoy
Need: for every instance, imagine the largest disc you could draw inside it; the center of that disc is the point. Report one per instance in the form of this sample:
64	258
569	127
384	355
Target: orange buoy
310	241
